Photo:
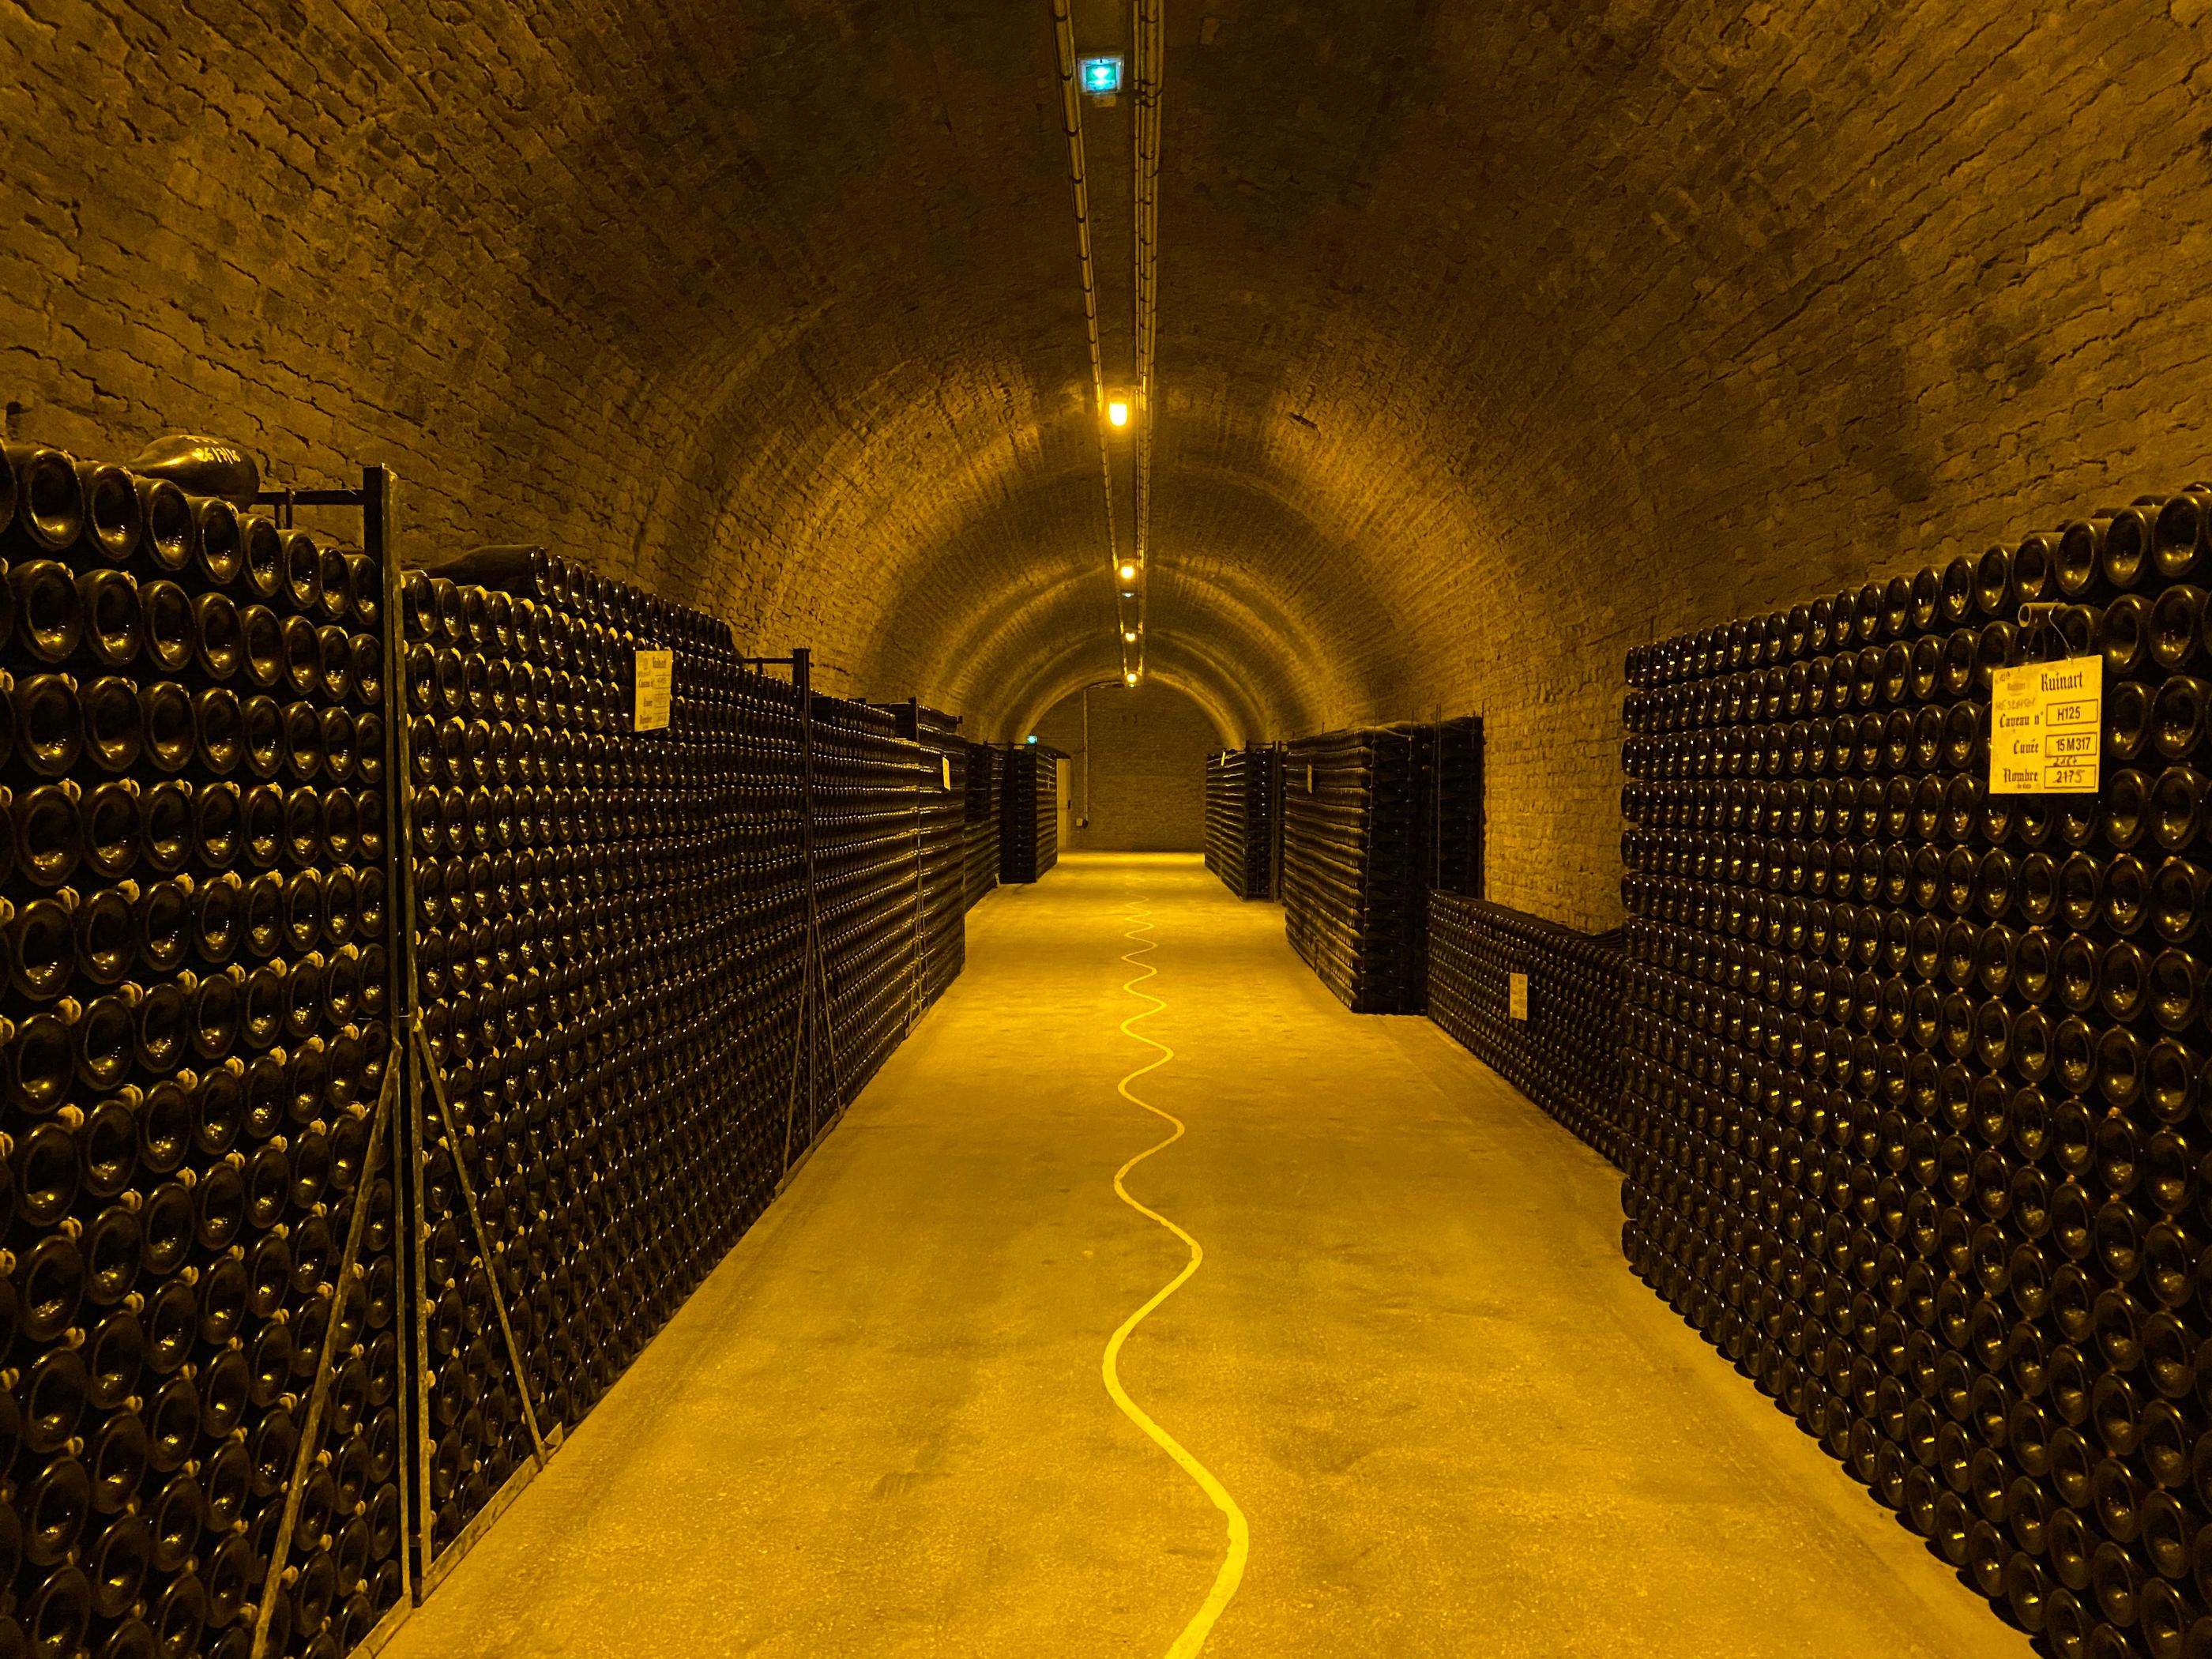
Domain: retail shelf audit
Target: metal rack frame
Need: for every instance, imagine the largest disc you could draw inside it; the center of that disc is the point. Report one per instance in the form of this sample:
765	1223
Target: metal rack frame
409	1066
374	500
816	1038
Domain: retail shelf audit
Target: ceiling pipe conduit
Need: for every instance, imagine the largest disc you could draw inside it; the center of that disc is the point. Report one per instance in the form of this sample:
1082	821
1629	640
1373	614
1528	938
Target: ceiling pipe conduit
1150	68
1070	117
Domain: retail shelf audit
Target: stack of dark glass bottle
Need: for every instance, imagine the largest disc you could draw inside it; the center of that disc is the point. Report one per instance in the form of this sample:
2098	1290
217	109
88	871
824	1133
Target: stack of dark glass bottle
943	808
1029	811
1916	1072
980	830
868	817
1239	840
1356	849
197	1028
610	950
1562	1049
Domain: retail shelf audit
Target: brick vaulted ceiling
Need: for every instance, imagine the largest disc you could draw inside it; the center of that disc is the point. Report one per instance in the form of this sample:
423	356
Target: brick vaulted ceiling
1494	338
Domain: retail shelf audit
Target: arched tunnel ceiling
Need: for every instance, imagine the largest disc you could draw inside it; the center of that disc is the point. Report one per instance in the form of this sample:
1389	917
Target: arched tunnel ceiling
1476	331
1493	339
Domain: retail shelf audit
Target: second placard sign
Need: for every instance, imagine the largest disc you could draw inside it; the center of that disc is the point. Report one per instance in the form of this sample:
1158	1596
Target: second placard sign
656	676
2046	727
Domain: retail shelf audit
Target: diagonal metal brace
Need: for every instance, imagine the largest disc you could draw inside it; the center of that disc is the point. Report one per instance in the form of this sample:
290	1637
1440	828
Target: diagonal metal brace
319	1397
431	1070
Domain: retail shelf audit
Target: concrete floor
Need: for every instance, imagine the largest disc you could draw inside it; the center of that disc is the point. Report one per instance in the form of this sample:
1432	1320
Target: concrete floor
1413	1356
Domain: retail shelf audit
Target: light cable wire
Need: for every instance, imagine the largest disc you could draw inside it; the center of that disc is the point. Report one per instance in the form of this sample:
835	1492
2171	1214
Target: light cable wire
1149	31
1071	119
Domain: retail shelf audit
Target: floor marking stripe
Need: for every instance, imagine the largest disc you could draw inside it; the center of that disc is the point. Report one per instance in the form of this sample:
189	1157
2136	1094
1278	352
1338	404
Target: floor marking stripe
1240	1536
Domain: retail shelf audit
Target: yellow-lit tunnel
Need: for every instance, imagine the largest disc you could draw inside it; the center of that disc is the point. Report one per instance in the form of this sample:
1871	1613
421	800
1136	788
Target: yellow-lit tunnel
1080	829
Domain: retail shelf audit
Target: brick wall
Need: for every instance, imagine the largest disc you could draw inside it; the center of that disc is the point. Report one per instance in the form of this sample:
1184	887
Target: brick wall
1148	766
1492	340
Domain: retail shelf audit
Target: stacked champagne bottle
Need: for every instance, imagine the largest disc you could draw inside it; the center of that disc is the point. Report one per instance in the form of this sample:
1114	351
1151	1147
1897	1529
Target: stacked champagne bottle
194	907
1563	1048
1223	802
1357	817
1457	819
608	950
1029	811
942	804
1239	845
867	792
980	855
1916	1071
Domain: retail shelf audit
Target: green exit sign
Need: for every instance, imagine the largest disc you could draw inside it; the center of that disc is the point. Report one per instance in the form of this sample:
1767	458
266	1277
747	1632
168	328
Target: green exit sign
1101	76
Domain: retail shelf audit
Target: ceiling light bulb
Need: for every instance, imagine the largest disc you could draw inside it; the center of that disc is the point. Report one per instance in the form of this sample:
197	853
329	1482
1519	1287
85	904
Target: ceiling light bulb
1129	635
1131	677
1128	572
1117	413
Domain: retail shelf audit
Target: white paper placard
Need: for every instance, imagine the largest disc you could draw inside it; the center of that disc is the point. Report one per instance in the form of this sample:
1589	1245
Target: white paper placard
656	674
2046	727
1516	996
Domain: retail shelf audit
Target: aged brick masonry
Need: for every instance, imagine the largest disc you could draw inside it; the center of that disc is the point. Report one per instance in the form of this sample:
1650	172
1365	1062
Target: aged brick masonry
1147	768
1521	375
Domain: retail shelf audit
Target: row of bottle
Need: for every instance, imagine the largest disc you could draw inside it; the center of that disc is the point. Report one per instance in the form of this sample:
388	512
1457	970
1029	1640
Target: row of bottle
2027	1270
944	831
1457	821
205	651
2156	552
1357	857
868	792
608	948
1029	811
2123	895
1929	806
608	927
1914	1074
1876	748
624	1098
195	914
99	559
1936	677
1558	1040
986	783
493	597
1240	787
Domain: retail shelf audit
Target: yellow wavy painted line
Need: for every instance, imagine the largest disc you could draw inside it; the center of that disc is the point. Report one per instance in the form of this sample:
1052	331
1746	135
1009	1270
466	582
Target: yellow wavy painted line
1240	1535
